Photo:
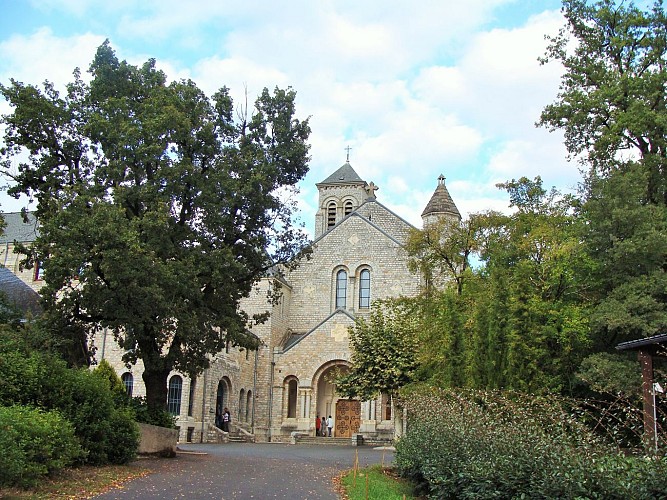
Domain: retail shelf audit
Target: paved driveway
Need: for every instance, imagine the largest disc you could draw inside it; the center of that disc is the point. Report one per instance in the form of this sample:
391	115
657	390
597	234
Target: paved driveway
248	471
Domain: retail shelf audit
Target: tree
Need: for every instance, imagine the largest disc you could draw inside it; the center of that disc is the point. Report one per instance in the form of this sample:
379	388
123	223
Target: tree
383	352
532	260
517	319
442	251
612	109
159	211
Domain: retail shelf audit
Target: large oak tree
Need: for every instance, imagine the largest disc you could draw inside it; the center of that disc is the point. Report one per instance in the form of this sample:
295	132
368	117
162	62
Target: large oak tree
159	208
612	107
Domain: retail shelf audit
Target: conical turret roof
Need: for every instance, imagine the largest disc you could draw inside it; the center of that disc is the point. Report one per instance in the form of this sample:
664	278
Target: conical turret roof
441	202
344	175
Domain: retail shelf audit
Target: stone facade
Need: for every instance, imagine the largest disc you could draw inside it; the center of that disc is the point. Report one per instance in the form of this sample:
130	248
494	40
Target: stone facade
358	257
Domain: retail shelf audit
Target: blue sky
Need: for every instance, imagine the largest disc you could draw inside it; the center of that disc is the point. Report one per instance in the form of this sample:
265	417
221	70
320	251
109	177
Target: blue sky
415	88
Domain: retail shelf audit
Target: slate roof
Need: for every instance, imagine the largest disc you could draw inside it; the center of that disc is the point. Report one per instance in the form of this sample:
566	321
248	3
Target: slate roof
441	202
18	293
344	175
18	230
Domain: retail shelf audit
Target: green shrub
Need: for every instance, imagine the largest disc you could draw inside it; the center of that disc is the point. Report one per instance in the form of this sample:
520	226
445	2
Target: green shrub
106	371
149	415
34	443
84	398
474	444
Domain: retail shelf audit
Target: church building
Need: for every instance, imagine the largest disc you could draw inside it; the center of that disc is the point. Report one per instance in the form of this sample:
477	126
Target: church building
276	392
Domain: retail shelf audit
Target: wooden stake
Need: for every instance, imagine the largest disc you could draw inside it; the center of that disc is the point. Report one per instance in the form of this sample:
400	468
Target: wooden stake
366	486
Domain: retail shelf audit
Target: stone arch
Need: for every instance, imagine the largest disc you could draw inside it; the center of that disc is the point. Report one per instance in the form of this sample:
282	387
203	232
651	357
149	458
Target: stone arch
290	396
349	204
325	392
222	399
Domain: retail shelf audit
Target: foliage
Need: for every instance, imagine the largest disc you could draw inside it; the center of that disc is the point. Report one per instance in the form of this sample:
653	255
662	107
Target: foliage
158	210
107	432
475	444
383	352
611	108
375	482
34	443
443	249
151	415
517	319
105	371
613	374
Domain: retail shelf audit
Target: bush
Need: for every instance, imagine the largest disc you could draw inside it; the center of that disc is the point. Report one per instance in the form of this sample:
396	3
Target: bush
84	398
34	443
149	415
474	444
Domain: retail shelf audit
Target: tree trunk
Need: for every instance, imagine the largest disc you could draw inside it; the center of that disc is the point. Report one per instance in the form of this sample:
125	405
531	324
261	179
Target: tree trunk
156	388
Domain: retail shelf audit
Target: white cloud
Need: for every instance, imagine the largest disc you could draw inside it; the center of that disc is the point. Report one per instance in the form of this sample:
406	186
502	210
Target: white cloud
42	55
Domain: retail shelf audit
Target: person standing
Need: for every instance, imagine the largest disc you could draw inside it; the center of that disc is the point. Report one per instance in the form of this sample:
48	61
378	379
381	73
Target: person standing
318	425
323	427
226	418
330	424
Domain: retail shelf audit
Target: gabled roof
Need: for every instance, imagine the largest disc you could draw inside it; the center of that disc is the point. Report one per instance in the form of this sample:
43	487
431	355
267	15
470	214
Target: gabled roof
295	339
356	213
18	230
344	175
441	202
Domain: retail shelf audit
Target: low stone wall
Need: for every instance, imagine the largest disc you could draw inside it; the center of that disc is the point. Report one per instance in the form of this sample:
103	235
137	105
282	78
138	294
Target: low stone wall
157	440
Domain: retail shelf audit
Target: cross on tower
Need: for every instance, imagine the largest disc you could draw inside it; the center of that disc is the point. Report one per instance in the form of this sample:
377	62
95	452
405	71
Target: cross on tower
348	153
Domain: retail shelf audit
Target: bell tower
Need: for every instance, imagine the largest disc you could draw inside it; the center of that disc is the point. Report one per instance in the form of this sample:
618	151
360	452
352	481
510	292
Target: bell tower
340	194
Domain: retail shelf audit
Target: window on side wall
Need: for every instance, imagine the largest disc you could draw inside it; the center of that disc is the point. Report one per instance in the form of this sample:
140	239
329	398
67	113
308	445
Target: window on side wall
174	395
365	289
128	382
341	289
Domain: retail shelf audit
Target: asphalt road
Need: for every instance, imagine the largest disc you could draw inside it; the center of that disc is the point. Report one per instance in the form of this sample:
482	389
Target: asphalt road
248	471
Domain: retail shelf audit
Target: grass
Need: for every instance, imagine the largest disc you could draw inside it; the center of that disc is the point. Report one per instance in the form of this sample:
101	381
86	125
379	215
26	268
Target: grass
80	482
375	483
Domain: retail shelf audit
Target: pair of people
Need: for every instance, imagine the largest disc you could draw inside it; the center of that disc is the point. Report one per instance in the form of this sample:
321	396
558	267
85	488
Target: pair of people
324	426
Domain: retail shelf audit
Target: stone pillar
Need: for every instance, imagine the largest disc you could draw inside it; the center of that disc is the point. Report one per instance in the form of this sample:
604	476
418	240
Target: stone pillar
305	397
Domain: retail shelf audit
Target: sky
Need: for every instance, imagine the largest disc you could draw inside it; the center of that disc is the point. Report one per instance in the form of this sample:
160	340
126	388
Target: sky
415	88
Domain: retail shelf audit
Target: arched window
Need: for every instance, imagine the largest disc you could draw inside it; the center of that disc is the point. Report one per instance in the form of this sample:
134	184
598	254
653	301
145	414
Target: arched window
348	207
128	381
174	395
241	403
292	387
331	214
248	407
191	398
365	289
341	289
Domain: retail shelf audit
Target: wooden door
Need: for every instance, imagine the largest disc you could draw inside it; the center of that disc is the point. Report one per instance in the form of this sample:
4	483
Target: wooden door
348	417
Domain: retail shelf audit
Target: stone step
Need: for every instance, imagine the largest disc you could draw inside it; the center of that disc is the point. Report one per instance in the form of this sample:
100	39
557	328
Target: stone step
339	441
